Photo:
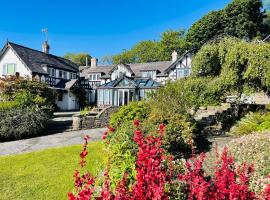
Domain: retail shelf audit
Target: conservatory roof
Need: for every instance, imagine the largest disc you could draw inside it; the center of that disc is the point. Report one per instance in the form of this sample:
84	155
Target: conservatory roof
127	82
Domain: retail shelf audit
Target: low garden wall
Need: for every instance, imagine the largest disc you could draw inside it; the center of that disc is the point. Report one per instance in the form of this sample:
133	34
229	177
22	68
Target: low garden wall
93	120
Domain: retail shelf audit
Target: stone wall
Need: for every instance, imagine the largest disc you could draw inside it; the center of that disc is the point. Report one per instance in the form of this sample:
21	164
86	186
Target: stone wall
93	120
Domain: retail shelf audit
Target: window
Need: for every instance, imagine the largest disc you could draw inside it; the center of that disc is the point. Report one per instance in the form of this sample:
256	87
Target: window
65	75
98	76
181	73
149	74
51	72
9	69
73	75
60	73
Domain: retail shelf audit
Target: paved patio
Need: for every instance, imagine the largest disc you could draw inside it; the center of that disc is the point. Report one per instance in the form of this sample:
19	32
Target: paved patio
49	141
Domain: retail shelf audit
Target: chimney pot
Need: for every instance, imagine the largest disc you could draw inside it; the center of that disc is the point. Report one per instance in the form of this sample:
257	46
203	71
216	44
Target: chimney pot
94	62
174	56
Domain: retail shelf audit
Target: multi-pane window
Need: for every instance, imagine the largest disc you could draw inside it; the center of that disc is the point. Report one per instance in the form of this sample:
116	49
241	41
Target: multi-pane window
181	73
94	77
51	72
9	69
73	75
149	74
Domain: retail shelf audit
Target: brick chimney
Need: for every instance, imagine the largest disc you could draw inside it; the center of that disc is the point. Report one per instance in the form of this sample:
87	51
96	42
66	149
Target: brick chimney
45	47
174	56
94	62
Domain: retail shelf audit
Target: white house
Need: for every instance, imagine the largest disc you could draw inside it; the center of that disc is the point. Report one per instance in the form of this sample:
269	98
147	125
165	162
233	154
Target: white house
118	84
59	73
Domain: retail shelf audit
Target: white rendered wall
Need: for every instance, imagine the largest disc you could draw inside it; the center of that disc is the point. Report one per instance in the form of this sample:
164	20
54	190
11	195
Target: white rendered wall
10	57
69	102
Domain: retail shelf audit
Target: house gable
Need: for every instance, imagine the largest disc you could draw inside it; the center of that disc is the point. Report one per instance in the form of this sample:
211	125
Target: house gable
121	70
9	56
181	68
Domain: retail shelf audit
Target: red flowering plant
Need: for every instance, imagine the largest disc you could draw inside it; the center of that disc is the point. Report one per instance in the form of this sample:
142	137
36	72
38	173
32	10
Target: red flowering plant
152	176
229	182
155	170
83	183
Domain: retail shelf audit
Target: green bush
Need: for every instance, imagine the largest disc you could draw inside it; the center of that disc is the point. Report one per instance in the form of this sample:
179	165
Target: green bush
252	122
135	110
178	136
22	122
27	92
122	151
254	149
8	105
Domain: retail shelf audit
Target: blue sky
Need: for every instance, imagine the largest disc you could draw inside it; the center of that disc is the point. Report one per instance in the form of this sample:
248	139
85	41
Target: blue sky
97	27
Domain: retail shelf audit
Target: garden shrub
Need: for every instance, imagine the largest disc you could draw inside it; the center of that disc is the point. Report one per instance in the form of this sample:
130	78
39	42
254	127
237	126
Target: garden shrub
8	105
23	122
254	149
252	122
178	137
134	110
122	151
156	172
27	92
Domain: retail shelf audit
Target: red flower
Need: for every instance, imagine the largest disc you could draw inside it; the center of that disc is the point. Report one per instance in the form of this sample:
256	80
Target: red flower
71	196
87	137
104	137
111	129
83	154
136	122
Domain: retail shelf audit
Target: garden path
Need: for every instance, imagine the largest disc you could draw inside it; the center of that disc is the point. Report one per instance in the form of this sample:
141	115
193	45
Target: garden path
49	141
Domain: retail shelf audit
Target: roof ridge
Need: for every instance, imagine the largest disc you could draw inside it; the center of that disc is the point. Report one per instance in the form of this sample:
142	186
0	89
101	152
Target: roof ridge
60	59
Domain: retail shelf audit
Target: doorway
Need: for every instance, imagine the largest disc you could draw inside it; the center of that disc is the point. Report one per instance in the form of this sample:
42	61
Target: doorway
123	97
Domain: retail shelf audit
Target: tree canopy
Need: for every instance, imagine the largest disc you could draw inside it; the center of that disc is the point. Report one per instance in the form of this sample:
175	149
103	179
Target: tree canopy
243	19
238	65
151	50
79	58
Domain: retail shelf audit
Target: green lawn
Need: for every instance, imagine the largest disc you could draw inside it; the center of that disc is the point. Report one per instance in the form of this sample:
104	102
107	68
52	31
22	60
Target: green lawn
46	174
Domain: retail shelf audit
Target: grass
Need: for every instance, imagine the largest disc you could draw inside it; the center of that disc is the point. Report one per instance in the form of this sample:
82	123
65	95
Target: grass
46	174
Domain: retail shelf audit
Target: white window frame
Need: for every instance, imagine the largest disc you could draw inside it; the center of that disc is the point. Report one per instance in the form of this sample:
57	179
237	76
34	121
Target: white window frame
5	68
51	72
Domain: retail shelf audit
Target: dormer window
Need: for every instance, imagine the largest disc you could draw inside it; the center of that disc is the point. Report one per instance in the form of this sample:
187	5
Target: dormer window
9	69
149	74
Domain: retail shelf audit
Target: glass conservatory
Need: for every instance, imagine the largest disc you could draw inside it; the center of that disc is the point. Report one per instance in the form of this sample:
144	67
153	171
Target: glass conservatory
123	90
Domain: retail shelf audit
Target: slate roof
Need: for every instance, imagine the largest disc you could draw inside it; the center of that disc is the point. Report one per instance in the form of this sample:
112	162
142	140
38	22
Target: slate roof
35	60
104	69
136	68
66	84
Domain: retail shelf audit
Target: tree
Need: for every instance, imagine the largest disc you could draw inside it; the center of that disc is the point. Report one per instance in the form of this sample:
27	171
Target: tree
207	28
79	59
172	41
151	51
243	19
